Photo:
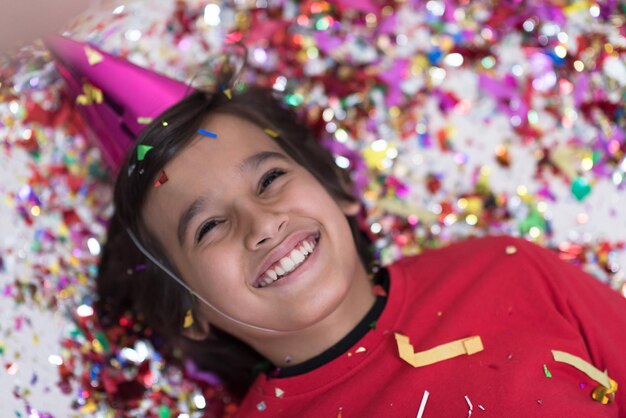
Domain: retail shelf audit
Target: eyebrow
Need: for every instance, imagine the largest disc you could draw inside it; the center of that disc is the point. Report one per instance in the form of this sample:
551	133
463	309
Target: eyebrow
251	163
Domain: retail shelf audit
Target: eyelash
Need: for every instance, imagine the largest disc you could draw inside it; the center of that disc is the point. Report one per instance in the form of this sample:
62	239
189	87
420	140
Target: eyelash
270	176
265	182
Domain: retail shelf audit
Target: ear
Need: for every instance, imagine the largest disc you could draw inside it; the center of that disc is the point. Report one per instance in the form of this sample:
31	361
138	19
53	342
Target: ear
350	208
199	331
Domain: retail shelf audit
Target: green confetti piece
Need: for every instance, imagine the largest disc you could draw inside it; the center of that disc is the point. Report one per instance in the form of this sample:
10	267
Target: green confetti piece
142	150
373	324
103	341
580	188
164	411
547	372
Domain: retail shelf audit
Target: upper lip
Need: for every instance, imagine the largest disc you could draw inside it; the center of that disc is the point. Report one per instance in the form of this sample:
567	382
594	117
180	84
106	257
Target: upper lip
282	250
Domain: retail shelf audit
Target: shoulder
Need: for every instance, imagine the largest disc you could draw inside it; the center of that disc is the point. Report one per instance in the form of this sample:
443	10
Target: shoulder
476	250
501	261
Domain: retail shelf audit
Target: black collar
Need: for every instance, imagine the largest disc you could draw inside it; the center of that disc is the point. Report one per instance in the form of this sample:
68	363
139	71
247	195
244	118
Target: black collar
381	278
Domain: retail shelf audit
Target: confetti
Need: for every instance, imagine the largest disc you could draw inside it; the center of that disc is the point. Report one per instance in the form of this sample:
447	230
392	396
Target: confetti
93	56
142	151
556	120
464	346
207	133
161	181
227	93
271	133
261	406
90	95
547	372
378	290
144	120
279	392
510	249
420	412
583	366
469	404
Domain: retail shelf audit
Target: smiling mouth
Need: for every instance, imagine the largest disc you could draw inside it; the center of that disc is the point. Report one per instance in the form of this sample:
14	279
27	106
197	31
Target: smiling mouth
289	263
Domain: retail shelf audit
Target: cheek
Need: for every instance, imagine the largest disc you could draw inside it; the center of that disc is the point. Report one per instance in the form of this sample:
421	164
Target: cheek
214	273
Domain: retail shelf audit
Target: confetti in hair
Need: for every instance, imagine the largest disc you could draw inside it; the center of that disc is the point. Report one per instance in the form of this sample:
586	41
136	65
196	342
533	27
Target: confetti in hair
142	151
271	133
207	133
162	179
228	93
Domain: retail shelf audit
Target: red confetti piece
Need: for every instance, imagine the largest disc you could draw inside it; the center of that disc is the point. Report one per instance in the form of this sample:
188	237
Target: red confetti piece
162	179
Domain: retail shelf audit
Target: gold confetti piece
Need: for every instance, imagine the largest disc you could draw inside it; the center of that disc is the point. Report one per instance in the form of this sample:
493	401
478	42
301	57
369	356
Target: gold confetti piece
144	121
279	392
510	249
469	346
583	366
188	320
228	93
604	395
89	408
271	132
91	94
93	56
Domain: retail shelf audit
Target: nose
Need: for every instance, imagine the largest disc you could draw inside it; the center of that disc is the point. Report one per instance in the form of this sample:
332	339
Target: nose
265	224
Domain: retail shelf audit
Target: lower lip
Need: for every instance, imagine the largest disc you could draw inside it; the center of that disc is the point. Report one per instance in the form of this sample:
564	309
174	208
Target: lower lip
298	271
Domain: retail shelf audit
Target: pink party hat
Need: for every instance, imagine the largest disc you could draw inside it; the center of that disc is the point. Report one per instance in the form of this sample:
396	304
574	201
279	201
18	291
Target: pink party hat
117	98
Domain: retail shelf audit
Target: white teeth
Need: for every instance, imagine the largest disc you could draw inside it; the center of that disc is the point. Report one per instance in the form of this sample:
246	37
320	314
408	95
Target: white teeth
296	256
287	263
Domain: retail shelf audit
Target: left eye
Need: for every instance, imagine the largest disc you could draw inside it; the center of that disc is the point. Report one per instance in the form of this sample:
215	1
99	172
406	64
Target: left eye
269	179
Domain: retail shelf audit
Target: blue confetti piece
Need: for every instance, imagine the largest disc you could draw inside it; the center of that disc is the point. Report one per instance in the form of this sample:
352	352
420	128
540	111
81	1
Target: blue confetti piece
207	133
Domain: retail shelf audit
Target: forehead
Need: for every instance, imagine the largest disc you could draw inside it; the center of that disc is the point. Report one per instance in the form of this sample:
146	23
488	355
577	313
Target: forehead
236	139
208	164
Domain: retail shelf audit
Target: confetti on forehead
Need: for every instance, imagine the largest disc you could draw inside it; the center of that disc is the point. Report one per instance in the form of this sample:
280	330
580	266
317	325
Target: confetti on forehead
271	133
142	151
162	179
207	133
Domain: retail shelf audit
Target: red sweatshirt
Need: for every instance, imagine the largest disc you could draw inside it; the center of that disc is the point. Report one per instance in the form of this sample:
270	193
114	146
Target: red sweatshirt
522	305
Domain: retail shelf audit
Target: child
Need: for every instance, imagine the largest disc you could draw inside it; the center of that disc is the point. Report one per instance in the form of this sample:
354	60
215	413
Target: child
256	254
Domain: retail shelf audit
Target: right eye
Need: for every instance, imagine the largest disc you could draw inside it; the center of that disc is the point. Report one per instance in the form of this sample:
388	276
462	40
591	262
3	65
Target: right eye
206	228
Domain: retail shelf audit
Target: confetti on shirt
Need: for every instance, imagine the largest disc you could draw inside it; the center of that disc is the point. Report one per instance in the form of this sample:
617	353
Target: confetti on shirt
464	346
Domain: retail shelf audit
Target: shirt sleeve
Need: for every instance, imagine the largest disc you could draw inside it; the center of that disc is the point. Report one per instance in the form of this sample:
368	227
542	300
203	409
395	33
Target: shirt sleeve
598	312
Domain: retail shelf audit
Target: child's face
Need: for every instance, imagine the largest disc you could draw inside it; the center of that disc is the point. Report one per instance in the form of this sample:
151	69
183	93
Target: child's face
240	205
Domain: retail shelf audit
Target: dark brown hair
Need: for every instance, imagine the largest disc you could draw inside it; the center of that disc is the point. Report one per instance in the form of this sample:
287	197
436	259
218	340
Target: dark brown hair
127	280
